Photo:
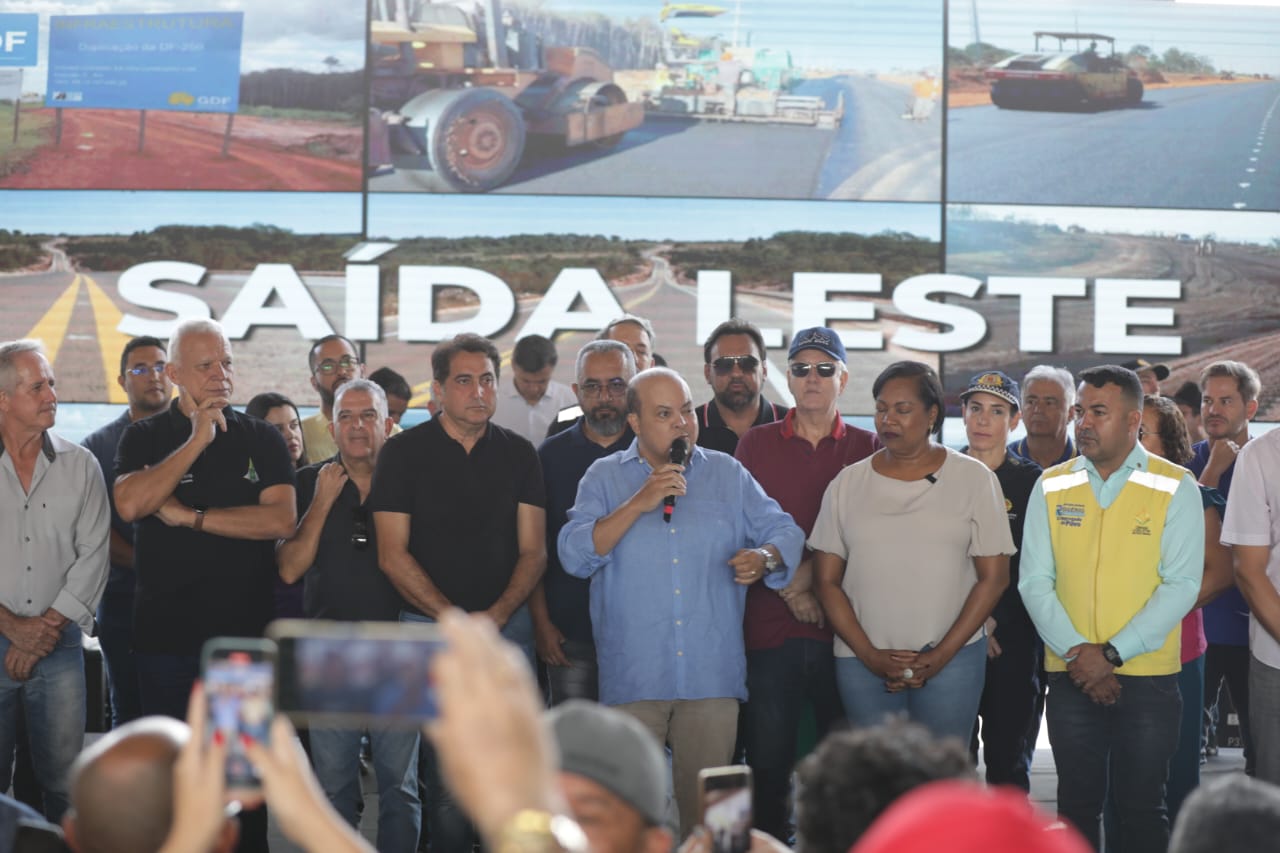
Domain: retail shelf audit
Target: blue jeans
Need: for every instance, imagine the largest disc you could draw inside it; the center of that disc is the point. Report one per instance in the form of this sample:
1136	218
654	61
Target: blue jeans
1124	748
780	682
115	635
53	699
947	705
449	829
335	753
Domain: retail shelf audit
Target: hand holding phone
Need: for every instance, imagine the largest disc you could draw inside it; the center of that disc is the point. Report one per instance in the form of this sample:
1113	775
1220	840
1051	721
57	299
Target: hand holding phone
238	676
724	795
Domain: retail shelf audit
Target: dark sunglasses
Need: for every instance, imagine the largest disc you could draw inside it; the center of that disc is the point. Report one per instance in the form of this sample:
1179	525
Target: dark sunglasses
800	369
359	528
724	364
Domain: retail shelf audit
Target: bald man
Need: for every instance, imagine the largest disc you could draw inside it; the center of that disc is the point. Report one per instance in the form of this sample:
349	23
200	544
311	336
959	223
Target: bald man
122	790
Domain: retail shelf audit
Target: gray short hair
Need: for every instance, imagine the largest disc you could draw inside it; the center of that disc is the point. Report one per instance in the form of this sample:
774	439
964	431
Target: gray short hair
600	347
629	318
9	351
1060	375
373	389
197	326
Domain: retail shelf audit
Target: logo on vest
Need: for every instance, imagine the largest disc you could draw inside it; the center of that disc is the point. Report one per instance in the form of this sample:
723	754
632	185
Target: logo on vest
1142	524
1070	515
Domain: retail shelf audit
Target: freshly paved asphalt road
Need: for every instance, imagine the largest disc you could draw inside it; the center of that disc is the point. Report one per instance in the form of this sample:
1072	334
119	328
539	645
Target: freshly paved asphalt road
1194	147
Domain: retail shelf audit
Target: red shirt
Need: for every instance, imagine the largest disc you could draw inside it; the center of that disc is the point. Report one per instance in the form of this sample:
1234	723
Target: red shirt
795	474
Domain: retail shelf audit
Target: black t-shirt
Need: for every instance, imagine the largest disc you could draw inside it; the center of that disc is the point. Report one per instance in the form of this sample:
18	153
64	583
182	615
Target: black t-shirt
714	435
193	585
463	505
345	581
1017	478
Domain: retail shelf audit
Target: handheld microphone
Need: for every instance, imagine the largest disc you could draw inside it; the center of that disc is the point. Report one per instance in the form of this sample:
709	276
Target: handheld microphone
676	455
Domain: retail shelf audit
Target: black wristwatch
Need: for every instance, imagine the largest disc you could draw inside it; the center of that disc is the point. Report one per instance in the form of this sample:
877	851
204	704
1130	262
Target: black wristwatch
1113	657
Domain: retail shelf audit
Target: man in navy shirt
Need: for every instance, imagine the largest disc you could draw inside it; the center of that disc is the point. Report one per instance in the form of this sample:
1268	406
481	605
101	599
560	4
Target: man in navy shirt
559	605
148	389
1229	401
667	597
1048	397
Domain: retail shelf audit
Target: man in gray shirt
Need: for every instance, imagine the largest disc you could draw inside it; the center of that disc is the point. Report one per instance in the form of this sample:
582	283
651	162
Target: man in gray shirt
54	520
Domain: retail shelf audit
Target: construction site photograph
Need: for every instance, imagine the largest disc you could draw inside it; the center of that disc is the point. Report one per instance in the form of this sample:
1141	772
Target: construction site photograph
685	264
235	95
1225	268
778	99
1126	103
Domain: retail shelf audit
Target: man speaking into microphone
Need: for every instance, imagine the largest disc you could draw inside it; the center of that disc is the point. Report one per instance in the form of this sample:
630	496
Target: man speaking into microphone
667	596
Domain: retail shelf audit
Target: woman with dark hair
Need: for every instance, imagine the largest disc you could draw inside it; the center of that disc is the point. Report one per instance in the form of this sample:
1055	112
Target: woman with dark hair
1164	433
912	549
279	411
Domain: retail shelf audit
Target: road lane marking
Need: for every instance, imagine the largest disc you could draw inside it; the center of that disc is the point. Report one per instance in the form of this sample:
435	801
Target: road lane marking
52	327
107	317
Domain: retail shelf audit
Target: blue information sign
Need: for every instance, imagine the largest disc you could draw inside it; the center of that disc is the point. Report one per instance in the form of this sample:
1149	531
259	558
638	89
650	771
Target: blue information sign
18	43
189	62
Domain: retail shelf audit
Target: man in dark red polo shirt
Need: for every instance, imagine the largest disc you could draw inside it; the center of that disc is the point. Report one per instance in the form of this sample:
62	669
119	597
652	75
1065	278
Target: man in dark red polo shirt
789	658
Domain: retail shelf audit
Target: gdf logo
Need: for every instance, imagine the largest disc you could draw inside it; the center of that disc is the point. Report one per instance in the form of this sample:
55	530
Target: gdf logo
18	40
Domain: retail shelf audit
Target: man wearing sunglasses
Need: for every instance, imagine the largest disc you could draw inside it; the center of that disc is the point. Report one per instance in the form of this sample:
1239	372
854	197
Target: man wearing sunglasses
334	549
148	389
734	368
789	657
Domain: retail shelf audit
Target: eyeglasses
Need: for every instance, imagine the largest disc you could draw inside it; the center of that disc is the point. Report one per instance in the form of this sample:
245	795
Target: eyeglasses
143	370
746	363
359	528
346	363
1142	433
826	369
614	388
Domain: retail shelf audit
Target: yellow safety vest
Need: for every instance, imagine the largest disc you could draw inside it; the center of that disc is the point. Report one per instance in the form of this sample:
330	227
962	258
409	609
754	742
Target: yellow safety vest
1108	560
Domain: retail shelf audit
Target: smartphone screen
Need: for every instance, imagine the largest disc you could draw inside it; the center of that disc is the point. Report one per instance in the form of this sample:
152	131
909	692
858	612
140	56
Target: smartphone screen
356	674
726	807
239	683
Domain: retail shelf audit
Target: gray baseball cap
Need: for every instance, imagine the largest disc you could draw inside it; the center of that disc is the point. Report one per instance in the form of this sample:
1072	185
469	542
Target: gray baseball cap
614	750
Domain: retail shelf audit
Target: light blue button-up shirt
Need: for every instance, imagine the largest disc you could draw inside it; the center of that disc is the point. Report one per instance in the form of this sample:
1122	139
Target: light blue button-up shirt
1181	564
665	611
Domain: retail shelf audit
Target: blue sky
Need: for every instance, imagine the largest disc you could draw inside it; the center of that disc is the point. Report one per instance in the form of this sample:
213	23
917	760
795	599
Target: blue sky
864	35
399	216
108	212
1242	38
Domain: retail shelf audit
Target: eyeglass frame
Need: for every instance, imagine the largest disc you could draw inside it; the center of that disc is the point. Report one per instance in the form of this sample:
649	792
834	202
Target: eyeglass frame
614	388
329	367
143	369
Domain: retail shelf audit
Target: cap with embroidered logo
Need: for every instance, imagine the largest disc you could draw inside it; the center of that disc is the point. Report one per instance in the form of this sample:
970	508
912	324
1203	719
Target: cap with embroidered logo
993	382
819	338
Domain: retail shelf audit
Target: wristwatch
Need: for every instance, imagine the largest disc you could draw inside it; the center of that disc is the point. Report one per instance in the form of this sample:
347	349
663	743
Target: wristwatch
535	831
1113	657
770	562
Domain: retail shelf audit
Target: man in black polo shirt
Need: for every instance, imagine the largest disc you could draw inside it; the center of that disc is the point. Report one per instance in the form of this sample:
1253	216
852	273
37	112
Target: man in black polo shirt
734	368
334	549
459	508
561	604
210	490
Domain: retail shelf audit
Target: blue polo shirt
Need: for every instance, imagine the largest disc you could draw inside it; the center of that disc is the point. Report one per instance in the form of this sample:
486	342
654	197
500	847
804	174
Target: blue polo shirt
565	457
665	608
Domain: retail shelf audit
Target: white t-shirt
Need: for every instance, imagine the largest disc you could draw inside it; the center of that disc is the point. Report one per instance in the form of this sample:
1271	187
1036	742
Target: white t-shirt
1253	518
515	413
909	546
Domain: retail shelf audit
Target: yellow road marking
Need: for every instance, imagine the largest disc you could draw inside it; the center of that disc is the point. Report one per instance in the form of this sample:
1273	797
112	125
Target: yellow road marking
107	317
52	327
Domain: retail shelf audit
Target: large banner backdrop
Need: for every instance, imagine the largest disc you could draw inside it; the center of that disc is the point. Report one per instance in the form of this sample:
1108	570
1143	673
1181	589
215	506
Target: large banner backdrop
975	184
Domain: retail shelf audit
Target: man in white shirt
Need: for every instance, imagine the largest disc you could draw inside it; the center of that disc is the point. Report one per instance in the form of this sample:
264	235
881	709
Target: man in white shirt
529	401
1252	529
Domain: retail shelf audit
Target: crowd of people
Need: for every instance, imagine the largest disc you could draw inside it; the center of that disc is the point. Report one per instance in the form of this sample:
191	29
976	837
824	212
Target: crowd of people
684	584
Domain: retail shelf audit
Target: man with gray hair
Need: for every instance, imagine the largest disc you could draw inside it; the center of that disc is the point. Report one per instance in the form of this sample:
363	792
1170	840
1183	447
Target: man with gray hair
209	491
334	550
54	523
630	329
1048	397
560	604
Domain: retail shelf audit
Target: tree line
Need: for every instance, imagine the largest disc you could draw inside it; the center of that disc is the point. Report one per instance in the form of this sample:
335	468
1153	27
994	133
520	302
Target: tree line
215	247
289	88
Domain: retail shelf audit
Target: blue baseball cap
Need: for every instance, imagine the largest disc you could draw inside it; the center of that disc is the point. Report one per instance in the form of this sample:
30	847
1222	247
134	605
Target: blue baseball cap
993	382
819	338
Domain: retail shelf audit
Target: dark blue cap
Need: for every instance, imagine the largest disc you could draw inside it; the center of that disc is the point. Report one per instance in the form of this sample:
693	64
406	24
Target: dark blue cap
820	338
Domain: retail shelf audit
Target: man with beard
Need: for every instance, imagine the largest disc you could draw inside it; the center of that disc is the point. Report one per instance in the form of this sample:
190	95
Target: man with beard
333	360
560	604
734	367
637	333
147	385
